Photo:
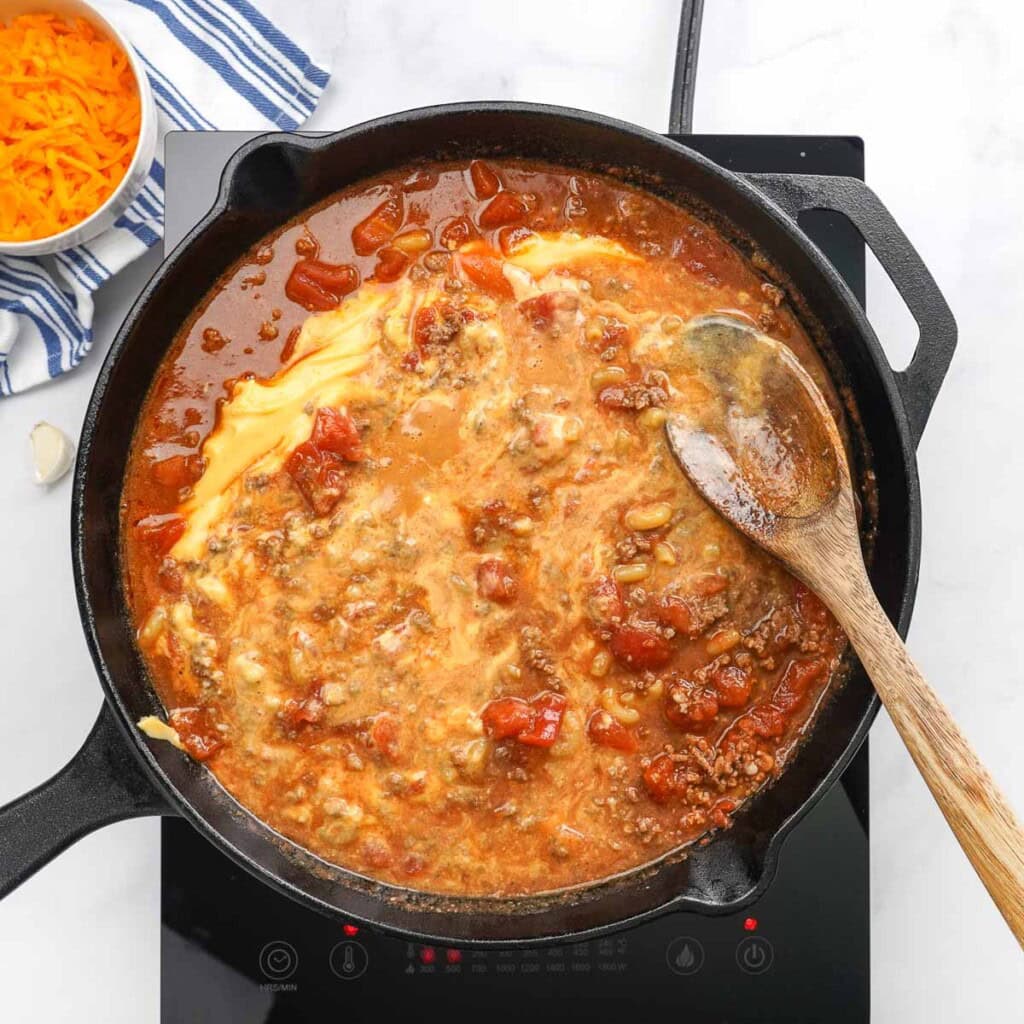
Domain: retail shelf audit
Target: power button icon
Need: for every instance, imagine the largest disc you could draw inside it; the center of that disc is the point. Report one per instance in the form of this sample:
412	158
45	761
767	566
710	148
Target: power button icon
754	954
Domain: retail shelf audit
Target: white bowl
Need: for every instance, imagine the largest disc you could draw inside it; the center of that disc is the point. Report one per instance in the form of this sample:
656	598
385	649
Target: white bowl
145	150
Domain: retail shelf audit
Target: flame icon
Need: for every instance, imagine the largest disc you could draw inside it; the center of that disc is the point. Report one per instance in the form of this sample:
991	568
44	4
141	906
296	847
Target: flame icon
684	955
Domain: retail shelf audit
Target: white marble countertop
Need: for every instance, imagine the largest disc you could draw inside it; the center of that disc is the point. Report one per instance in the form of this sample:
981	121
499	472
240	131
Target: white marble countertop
935	89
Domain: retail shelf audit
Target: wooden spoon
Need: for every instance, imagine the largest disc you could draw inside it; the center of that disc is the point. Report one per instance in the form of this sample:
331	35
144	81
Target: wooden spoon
765	452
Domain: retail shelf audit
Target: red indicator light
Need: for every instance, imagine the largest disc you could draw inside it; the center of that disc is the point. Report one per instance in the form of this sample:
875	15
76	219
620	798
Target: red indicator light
428	955
453	956
350	930
750	925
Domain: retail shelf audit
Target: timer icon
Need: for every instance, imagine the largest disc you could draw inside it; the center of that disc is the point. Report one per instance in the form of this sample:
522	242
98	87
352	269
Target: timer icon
278	960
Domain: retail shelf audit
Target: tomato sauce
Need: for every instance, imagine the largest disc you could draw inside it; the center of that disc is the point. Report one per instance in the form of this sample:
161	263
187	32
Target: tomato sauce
412	569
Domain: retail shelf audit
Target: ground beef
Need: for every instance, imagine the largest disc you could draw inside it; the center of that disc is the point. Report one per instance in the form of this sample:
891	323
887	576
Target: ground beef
534	654
627	549
708	610
635	395
782	630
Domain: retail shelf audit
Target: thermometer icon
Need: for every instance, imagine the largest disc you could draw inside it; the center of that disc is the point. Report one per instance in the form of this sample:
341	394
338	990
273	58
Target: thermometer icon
349	960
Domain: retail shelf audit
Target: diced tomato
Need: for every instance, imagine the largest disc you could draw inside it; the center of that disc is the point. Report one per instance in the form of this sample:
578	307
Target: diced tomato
548	708
661	779
639	645
605	604
541	310
438	324
709	584
483	524
535	723
197	731
483	268
296	714
511	237
457	232
384	735
506	717
504	208
691	707
170	577
307	244
733	685
178	471
414	864
419	181
614	333
320	286
791	690
720	813
380	227
495	581
486	182
764	720
317	466
411	360
161	532
675	611
391	264
335	431
810	608
318	476
605	731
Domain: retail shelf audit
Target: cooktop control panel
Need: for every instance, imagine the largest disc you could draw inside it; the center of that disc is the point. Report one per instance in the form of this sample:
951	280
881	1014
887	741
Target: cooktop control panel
802	949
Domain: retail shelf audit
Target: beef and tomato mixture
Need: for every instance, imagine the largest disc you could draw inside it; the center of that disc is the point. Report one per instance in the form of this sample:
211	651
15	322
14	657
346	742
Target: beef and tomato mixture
412	568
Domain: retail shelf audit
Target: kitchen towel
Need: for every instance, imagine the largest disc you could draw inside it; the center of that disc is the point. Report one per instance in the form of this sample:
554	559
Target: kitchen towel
212	64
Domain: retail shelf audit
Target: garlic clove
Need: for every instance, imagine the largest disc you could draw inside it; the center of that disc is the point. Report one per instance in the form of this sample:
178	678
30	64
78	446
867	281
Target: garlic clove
52	452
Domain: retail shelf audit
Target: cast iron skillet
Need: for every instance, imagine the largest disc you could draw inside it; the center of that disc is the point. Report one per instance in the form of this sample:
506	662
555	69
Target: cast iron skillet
119	774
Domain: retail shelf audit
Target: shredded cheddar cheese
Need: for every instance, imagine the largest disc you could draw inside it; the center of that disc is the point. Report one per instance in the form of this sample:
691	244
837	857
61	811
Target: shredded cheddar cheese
69	123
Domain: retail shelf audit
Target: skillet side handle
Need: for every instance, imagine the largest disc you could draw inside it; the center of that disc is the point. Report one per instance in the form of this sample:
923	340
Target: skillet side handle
919	383
101	784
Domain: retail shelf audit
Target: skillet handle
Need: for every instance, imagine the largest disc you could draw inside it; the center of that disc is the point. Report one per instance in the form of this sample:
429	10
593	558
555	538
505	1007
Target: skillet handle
919	383
101	784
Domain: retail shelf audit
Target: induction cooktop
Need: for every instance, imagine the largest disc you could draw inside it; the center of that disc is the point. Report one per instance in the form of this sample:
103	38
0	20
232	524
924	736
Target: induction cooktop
235	952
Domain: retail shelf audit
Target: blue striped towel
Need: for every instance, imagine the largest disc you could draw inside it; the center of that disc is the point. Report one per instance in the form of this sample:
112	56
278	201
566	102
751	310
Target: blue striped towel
212	64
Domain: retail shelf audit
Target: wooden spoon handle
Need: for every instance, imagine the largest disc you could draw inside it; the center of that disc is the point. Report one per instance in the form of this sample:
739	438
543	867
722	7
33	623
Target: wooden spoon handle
976	810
